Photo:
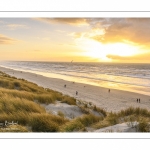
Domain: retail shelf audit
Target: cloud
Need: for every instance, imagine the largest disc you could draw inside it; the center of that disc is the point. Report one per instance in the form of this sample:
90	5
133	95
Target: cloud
6	40
117	57
135	30
60	31
2	22
89	34
136	58
16	26
69	21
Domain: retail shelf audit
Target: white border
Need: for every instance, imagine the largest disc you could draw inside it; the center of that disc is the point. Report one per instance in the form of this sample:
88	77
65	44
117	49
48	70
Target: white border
75	14
85	135
74	5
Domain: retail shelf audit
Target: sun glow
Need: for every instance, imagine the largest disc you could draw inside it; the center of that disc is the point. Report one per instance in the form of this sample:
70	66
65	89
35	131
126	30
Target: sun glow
98	50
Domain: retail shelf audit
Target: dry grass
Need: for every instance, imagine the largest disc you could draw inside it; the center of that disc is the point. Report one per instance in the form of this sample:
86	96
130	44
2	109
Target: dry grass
144	125
61	114
79	124
100	110
10	105
69	100
46	122
88	120
105	122
72	126
20	102
129	115
85	110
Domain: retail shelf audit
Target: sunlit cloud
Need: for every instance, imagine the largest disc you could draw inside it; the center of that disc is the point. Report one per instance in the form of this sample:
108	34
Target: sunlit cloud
69	21
6	40
135	58
88	34
133	30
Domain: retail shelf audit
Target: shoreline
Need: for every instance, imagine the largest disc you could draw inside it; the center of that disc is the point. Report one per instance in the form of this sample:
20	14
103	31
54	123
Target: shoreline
135	88
114	101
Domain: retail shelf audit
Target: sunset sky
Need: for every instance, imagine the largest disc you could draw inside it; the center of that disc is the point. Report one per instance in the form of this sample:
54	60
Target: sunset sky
79	39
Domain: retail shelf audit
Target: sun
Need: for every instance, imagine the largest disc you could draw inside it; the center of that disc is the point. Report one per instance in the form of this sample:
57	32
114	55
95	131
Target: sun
100	51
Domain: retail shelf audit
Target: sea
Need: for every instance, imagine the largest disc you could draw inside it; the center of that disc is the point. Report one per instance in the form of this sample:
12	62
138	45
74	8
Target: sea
122	76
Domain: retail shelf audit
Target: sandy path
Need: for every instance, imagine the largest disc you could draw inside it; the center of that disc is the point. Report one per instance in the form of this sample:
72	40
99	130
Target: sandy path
113	101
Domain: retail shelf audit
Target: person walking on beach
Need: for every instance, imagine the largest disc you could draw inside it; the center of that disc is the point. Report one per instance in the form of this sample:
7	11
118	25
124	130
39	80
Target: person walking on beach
109	90
137	100
76	92
65	85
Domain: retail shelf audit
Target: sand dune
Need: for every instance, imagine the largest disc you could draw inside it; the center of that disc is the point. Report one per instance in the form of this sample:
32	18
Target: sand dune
122	127
113	101
69	111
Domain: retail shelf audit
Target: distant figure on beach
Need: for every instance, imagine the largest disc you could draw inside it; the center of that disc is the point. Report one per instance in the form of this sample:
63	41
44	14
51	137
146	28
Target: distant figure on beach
76	92
65	85
109	90
137	100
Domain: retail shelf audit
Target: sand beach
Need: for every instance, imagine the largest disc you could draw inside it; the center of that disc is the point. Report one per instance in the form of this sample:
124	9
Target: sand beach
114	101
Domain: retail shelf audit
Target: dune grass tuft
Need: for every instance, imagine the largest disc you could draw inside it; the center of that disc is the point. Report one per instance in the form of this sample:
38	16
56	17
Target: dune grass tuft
72	126
79	124
100	110
46	122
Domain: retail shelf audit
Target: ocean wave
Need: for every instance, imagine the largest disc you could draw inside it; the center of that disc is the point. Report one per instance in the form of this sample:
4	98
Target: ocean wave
133	74
102	79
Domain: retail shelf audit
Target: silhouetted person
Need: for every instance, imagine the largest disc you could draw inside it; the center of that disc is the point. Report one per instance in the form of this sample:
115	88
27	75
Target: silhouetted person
65	85
109	90
76	92
139	100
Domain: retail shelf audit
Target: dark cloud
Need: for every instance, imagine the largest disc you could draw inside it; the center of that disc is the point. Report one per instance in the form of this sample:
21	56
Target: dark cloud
6	40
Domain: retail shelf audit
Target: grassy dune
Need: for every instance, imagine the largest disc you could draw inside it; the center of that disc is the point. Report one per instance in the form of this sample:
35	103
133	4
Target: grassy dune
20	101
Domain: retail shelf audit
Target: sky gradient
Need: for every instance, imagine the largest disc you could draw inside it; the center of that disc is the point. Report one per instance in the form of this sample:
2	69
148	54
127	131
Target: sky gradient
125	40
